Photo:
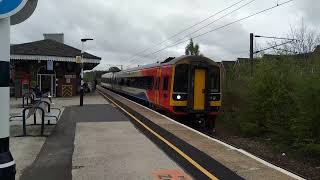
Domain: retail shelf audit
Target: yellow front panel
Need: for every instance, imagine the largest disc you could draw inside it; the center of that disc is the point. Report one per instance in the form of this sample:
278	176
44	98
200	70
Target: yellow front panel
199	86
215	103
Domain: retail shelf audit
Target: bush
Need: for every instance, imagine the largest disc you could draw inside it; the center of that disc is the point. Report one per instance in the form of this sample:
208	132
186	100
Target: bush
250	129
307	125
281	101
271	103
312	149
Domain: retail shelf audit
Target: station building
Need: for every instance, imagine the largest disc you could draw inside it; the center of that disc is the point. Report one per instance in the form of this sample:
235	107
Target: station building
50	64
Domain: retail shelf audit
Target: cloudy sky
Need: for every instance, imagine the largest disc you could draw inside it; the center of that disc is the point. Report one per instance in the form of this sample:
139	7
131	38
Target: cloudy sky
123	28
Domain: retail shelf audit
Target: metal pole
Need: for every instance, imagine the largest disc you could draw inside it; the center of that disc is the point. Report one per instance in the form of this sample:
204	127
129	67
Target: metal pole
251	54
7	164
81	76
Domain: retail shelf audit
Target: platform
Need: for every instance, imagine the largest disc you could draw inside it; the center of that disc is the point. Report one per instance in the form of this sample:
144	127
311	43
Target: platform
111	137
26	149
97	141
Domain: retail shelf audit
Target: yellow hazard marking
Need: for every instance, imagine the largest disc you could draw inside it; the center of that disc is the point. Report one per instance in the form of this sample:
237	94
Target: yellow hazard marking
66	90
188	158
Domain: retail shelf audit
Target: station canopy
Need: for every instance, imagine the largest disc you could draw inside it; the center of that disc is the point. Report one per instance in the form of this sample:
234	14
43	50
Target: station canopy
49	50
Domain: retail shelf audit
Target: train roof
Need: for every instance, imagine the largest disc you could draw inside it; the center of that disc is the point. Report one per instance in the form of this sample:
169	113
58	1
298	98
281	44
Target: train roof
201	58
169	61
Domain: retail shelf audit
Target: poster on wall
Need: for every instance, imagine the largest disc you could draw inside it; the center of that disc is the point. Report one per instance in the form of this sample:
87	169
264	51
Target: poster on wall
50	65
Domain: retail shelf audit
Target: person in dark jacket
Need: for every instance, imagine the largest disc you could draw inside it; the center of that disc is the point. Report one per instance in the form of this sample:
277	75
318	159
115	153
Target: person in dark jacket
95	85
38	92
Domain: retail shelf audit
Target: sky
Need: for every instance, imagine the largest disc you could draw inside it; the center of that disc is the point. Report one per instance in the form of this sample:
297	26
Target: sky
121	29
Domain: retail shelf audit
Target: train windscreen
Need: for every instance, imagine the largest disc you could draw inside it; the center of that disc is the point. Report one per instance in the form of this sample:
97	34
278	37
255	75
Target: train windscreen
181	82
215	80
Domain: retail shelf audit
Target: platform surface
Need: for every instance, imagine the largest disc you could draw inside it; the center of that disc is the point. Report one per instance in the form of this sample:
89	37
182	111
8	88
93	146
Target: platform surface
98	142
103	141
25	150
117	150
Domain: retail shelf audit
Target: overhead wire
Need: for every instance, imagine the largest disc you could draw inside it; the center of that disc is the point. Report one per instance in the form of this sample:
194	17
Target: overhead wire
221	27
186	29
273	37
231	12
277	45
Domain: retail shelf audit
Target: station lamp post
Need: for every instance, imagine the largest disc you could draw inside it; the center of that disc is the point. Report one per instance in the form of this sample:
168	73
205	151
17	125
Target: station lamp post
81	73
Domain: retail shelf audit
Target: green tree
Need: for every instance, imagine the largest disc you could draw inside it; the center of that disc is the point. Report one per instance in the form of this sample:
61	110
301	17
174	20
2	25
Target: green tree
192	49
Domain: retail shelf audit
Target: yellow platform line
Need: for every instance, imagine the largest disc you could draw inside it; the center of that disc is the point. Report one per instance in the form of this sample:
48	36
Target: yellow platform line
184	155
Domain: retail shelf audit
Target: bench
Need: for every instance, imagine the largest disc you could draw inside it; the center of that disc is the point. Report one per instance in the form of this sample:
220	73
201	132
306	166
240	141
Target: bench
44	110
33	99
46	106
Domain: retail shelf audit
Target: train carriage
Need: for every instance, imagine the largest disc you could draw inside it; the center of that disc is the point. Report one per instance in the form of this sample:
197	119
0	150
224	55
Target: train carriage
185	87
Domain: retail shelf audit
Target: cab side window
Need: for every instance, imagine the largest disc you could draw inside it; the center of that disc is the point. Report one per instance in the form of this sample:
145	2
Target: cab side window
165	86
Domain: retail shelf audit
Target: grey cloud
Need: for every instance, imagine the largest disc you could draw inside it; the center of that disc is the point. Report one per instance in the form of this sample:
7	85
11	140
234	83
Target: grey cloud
310	10
122	28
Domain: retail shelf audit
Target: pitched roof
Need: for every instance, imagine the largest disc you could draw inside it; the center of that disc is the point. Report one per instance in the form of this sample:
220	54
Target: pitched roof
48	47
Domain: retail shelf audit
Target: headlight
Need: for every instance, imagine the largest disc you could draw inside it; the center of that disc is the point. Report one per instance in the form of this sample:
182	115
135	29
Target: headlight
215	97
180	97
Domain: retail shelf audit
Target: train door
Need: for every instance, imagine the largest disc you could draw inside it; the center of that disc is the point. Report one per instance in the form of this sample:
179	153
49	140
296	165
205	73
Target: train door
157	86
47	83
199	89
164	89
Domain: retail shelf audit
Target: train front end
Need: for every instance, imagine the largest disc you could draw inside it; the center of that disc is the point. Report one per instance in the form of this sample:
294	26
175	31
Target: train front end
196	89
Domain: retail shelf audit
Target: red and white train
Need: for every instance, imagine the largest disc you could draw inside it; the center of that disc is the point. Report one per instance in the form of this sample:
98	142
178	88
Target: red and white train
185	87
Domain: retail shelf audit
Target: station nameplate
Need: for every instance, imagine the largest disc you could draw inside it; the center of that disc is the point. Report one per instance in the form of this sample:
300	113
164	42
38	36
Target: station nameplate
78	59
70	76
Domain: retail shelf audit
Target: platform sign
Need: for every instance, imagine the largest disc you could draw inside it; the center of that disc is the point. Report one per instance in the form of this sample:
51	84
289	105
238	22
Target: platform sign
67	90
49	64
11	7
78	59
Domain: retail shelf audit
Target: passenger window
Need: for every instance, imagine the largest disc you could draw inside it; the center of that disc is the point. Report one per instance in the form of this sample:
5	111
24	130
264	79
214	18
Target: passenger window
127	82
148	82
122	82
165	83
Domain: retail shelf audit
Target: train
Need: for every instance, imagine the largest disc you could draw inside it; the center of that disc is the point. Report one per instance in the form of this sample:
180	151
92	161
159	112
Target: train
186	87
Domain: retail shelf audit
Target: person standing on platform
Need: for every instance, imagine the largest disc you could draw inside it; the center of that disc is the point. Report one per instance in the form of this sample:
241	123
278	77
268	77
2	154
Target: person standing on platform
95	85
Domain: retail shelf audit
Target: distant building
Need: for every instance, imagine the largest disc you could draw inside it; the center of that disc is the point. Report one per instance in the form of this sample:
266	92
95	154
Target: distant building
49	64
228	64
308	55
